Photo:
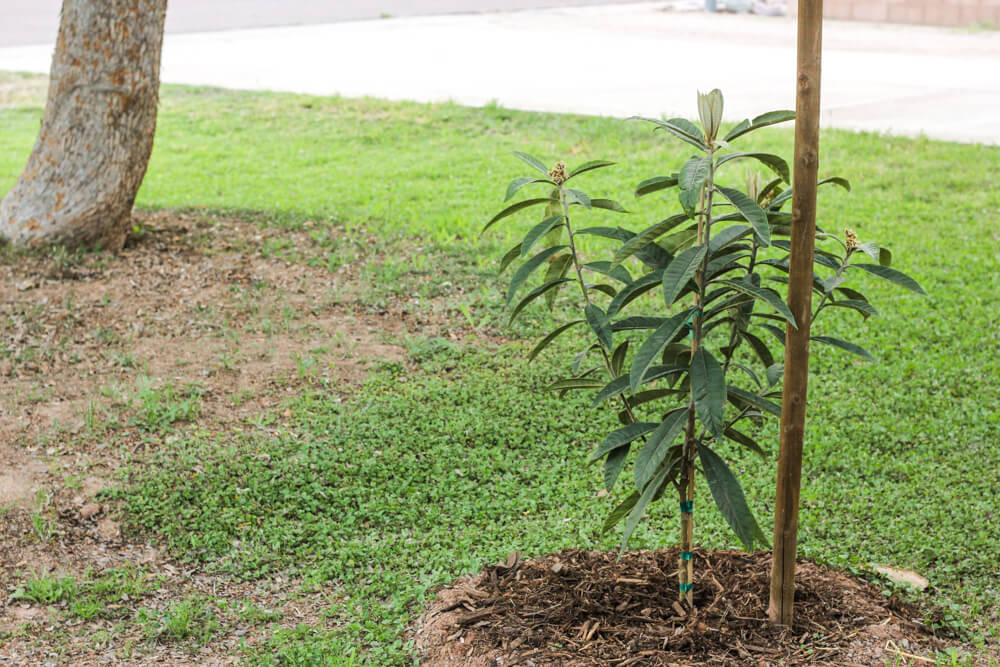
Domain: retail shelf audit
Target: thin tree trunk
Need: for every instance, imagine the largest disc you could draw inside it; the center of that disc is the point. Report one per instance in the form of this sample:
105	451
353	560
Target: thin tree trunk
97	133
781	608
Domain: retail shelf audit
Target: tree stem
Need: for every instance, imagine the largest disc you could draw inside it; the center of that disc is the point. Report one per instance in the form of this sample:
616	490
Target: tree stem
586	297
685	564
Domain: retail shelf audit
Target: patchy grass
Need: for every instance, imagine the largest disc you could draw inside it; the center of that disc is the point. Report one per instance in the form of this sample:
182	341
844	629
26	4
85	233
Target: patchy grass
89	597
45	589
190	620
158	407
107	595
451	457
423	477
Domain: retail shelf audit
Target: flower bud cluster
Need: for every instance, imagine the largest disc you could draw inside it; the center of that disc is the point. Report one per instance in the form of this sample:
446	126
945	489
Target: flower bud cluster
558	173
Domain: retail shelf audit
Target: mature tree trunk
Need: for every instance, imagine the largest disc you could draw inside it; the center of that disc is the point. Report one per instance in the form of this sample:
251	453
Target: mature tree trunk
91	154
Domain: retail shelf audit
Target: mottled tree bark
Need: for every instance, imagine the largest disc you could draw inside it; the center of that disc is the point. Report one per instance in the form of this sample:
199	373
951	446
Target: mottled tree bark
97	133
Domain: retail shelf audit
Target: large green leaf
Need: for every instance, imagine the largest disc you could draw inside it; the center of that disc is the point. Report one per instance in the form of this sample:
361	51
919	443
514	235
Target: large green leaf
787	194
708	389
724	264
763	120
775	374
621	383
603	288
870	249
574	383
617	386
767	190
751	212
892	275
832	283
544	343
613	466
655	184
588	166
538	231
852	294
760	348
639	510
692	179
746	441
844	345
729	498
776	163
621	437
681	240
533	161
828	260
681	128
651	395
509	257
577	197
514	208
742	396
738	129
519	183
647	236
619	512
653	346
659	442
680	271
529	267
608	205
618	358
606	268
765	294
723	238
637	322
863	307
775	331
633	291
598	322
535	293
558	268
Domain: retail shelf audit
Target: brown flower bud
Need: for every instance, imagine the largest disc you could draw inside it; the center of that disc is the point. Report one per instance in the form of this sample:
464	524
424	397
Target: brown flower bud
558	173
852	239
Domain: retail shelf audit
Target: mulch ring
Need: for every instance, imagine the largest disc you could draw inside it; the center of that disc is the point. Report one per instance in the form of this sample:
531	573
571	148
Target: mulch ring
590	608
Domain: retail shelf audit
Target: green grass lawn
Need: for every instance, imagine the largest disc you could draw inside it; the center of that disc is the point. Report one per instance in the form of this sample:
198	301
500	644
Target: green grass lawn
428	474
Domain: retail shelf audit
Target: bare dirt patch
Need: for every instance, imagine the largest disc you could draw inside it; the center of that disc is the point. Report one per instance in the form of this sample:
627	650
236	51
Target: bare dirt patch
200	322
192	302
590	608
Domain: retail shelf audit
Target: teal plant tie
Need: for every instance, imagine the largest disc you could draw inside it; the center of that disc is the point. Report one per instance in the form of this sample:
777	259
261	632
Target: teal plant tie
690	322
685	587
687	507
686	555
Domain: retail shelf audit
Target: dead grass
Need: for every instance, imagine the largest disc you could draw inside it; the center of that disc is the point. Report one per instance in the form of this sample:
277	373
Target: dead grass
18	89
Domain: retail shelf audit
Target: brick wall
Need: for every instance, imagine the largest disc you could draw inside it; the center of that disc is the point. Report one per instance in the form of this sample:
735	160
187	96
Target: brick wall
931	12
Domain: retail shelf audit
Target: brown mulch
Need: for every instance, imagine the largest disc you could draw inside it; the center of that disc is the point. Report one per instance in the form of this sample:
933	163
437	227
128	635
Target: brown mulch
590	608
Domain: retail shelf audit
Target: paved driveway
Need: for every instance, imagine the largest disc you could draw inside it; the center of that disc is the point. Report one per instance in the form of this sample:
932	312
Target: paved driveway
615	60
36	21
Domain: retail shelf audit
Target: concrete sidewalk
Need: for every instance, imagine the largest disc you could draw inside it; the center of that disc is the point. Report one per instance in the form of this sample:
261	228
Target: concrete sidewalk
615	60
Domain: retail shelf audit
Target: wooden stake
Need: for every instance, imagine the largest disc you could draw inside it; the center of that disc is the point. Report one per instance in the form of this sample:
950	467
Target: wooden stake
800	279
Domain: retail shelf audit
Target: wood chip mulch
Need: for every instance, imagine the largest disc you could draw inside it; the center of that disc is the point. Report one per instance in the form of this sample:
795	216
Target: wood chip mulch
592	608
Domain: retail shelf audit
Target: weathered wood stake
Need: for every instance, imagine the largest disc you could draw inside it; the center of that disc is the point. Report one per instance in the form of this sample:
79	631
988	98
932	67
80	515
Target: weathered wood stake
800	277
